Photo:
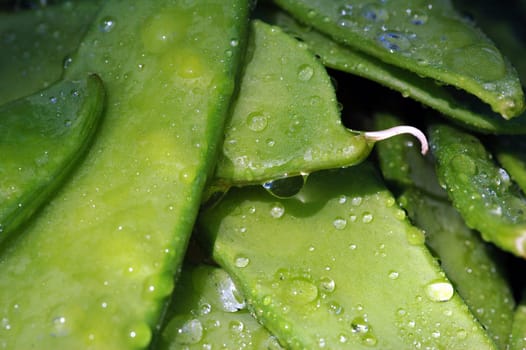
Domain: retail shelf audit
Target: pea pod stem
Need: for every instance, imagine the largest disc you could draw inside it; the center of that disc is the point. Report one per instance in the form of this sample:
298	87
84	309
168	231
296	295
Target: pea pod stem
399	130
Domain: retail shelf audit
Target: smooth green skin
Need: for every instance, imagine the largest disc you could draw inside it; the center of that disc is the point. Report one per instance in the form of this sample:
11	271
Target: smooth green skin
401	162
43	138
511	154
35	43
482	192
469	114
472	266
428	38
96	267
208	311
338	266
285	120
518	335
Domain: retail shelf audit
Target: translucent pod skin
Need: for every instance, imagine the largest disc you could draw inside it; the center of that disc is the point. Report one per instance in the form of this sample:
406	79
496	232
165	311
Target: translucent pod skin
96	267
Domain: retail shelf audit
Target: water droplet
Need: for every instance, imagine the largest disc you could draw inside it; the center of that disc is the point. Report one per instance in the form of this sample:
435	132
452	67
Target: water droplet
394	41
256	121
53	100
369	340
345	10
360	325
439	291
60	327
241	261
367	217
300	291
327	284
234	42
463	164
285	187
339	223
305	72
190	332
352	246
356	201
375	13
236	326
68	60
393	275
277	210
342	199
107	24
418	17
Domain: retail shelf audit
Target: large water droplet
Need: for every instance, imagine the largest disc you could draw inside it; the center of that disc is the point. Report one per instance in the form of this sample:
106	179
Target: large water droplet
241	261
190	332
394	41
360	325
439	291
339	223
305	72
285	187
277	210
300	291
257	121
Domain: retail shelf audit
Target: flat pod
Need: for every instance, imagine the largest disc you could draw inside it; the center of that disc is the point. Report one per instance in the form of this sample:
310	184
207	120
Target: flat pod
338	266
208	311
427	38
285	120
43	138
35	45
480	190
473	266
97	266
454	105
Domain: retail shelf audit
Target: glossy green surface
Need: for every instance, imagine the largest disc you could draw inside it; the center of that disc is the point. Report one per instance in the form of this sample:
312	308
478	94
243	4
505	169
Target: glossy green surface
285	120
480	190
35	45
96	267
338	266
428	38
474	268
43	137
511	154
209	312
466	112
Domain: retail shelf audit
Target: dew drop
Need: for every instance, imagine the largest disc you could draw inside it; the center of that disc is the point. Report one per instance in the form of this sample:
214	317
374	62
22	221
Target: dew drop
277	210
360	325
107	24
327	284
418	17
367	217
305	72
339	223
241	261
393	275
394	41
439	291
256	121
374	13
300	291
190	332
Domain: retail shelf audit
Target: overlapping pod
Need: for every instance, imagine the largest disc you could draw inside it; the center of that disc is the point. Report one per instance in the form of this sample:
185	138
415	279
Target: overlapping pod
97	265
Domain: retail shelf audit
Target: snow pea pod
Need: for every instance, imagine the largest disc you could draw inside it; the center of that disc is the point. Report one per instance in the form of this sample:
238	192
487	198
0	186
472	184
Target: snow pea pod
285	120
209	312
43	137
428	38
104	252
470	114
480	190
35	44
474	267
338	266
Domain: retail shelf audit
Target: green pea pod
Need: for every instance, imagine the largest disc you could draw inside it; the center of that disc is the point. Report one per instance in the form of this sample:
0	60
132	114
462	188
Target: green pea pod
472	266
285	120
518	335
35	44
43	138
208	311
96	267
480	190
428	38
338	266
511	154
470	114
401	162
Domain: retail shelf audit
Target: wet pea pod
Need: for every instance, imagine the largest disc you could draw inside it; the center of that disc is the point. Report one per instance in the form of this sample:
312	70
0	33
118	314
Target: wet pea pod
430	39
208	311
479	189
518	335
467	112
43	138
35	45
338	266
473	266
285	120
510	151
96	267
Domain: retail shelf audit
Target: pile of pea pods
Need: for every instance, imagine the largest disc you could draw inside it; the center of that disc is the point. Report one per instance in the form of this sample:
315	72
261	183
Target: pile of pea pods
286	174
